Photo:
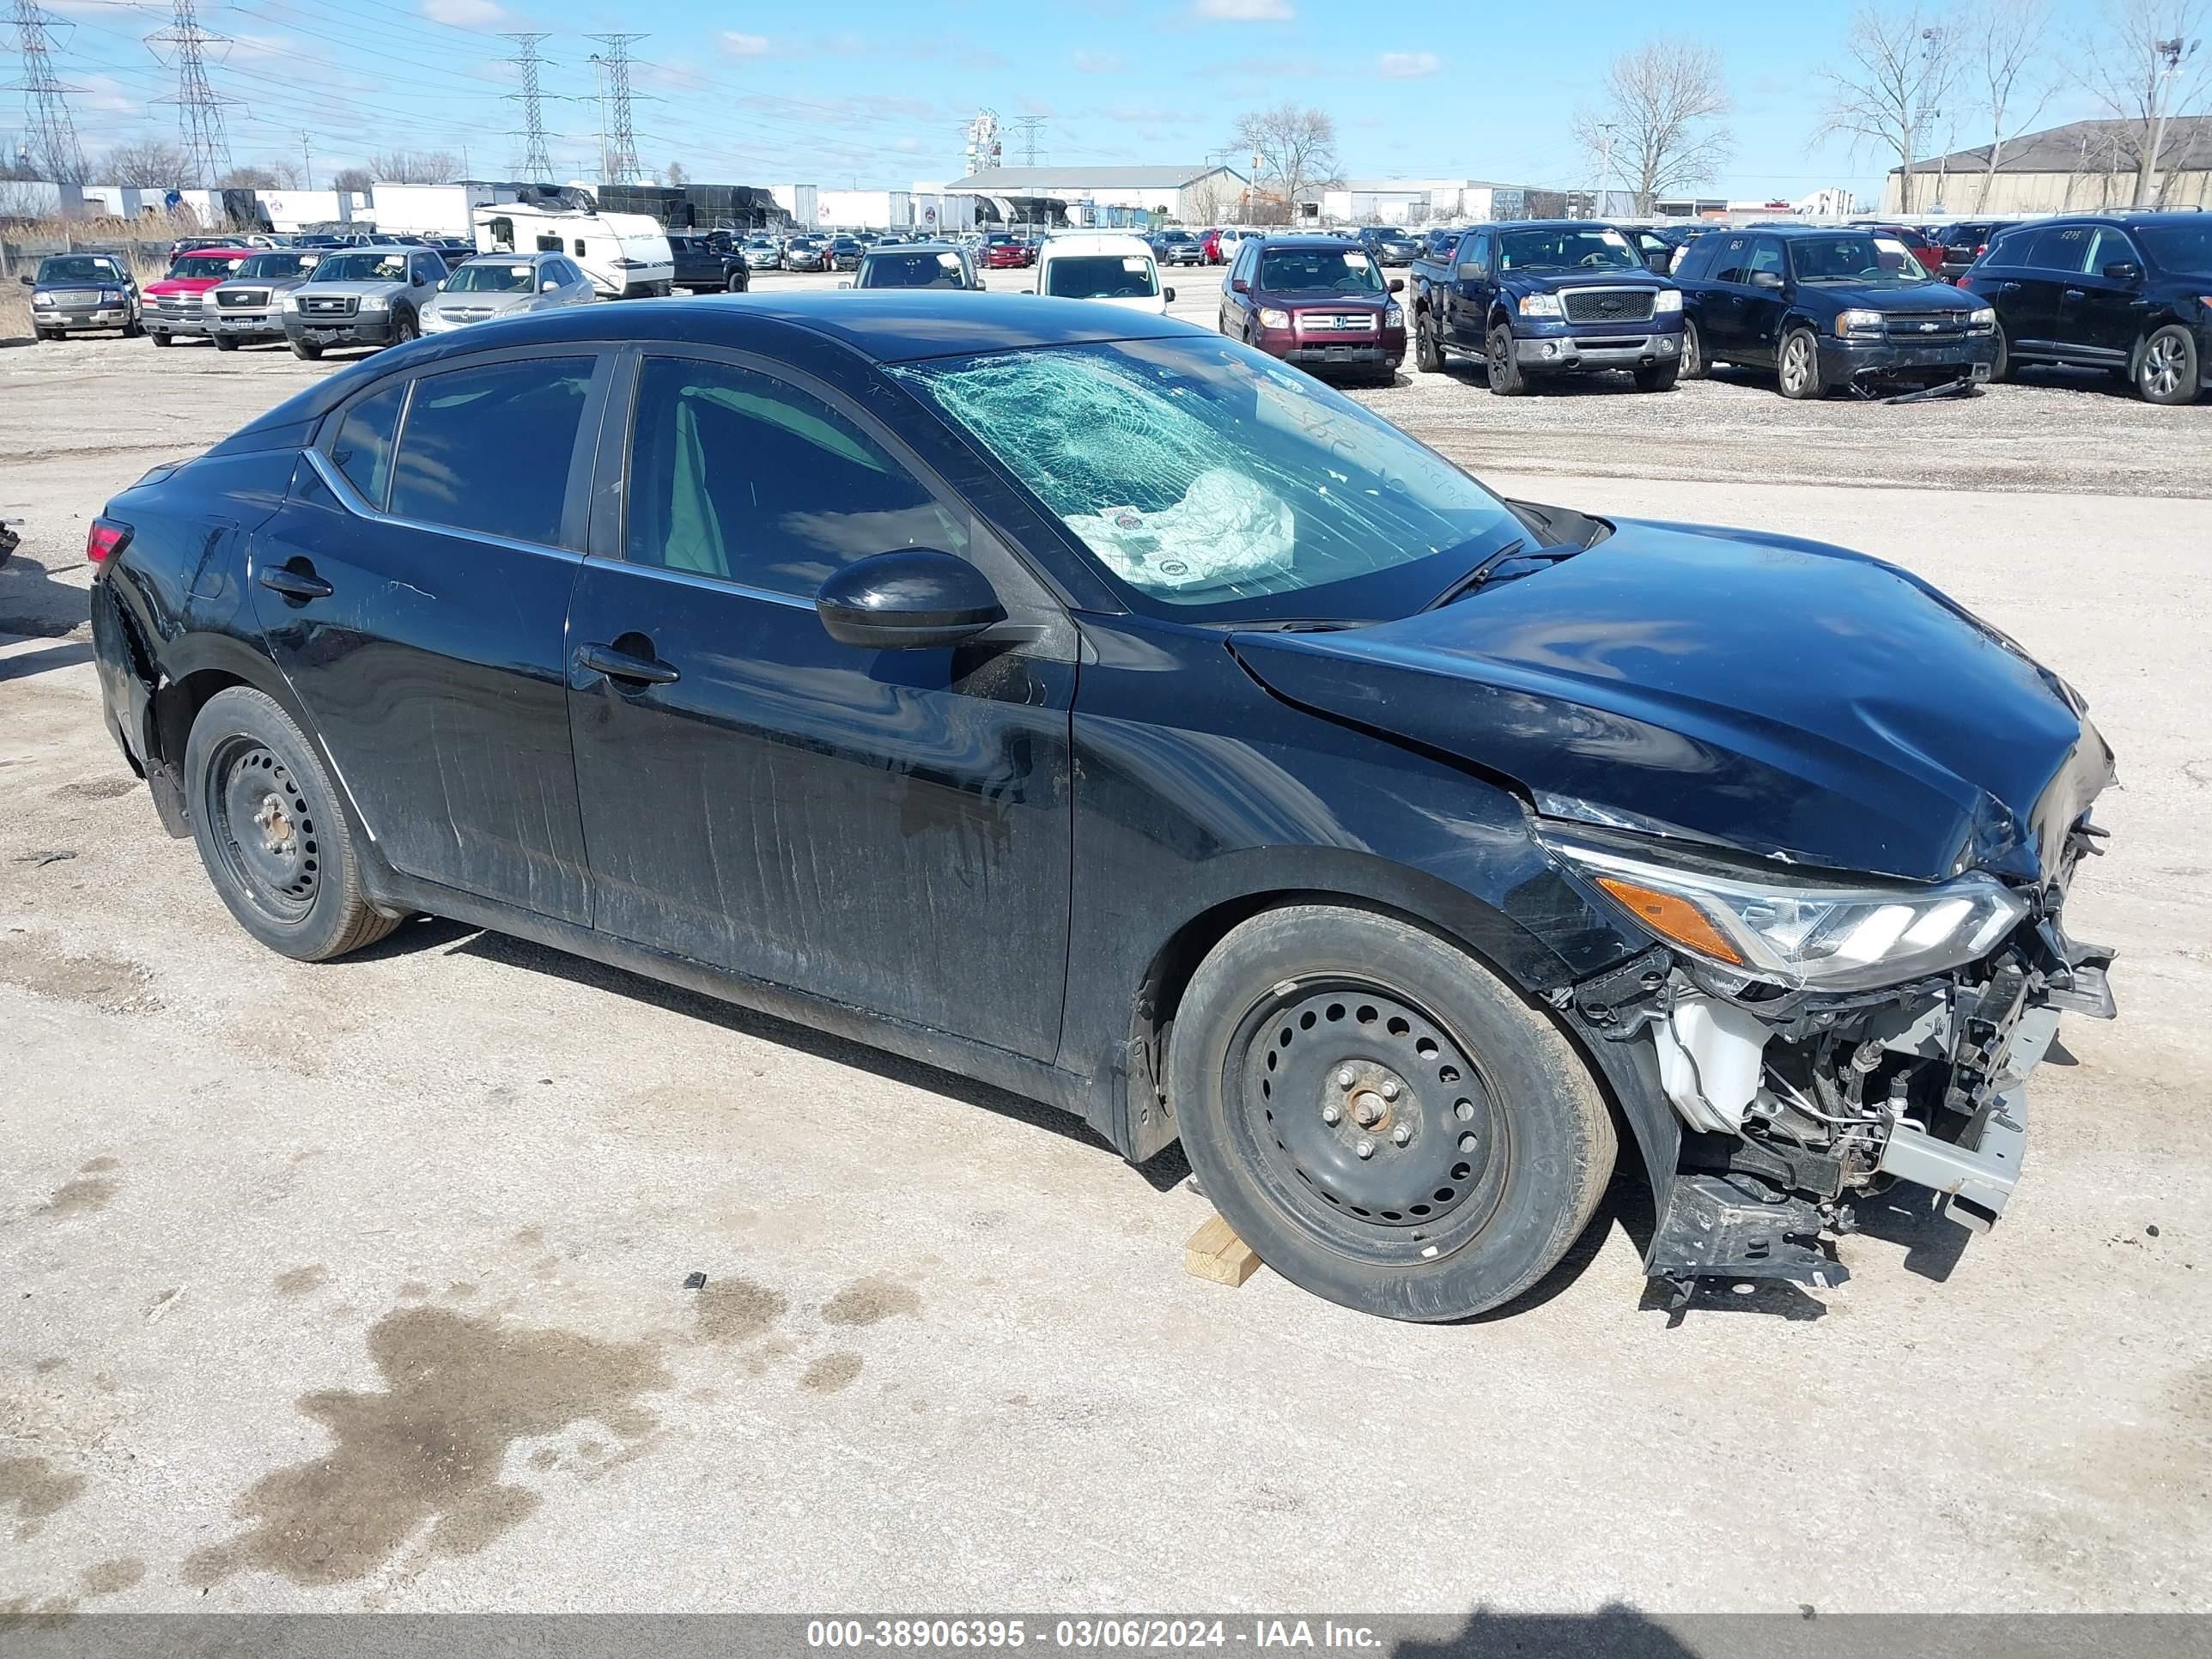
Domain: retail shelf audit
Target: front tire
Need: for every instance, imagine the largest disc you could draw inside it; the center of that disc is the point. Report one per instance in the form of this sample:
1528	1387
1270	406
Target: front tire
1487	1142
1506	380
404	328
272	835
224	342
307	350
165	339
2167	367
738	282
2000	366
1660	377
1799	371
1693	366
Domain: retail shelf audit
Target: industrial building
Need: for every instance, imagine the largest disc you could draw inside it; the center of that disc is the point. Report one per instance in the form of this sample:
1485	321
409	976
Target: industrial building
1193	194
2081	168
1444	201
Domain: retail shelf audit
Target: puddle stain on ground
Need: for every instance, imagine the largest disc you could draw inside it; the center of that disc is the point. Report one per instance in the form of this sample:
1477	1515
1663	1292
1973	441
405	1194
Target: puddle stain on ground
732	1311
866	1301
429	1449
35	1489
93	789
299	1281
112	1577
36	963
81	1196
832	1372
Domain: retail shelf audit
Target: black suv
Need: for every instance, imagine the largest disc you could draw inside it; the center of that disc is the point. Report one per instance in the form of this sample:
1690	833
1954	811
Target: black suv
705	266
2127	292
1965	243
1826	309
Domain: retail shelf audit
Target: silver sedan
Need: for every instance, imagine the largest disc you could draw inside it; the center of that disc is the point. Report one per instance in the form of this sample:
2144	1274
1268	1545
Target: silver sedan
505	285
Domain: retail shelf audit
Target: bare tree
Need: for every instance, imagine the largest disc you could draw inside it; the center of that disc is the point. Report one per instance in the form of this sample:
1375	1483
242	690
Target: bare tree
404	167
248	177
354	181
1210	198
2006	73
2142	62
152	163
676	176
1293	148
1888	82
1657	122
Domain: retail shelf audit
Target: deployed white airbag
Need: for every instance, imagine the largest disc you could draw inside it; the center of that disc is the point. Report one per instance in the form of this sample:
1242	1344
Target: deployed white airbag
1225	528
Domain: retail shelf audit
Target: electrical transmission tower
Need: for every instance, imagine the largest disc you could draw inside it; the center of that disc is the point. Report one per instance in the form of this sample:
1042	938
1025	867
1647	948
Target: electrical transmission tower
50	135
199	109
618	162
536	163
1029	126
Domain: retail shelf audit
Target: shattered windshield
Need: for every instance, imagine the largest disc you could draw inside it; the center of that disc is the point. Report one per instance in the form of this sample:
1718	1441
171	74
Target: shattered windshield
1217	484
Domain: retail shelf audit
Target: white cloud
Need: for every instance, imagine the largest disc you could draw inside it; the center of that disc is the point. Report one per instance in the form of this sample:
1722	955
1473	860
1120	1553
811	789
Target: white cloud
738	44
1100	63
464	14
1246	11
907	144
1407	65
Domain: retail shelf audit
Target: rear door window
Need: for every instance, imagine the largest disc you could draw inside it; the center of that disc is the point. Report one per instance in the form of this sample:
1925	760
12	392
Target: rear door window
1733	260
2059	248
362	447
488	448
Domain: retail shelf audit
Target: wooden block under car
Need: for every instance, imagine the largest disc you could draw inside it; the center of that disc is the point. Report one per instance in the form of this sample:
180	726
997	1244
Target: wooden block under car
1216	1253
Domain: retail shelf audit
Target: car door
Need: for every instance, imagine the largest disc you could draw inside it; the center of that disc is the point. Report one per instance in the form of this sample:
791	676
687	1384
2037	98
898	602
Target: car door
2102	314
1764	303
1466	318
1722	310
424	272
414	590
1236	304
2055	258
890	830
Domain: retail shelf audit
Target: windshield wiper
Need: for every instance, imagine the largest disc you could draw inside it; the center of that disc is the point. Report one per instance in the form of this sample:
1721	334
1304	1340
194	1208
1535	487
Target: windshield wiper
1516	549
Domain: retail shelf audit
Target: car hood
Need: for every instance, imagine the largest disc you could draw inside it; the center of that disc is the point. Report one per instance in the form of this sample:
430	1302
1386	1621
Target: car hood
1916	300
1778	697
184	285
1551	282
349	288
489	302
274	284
1326	301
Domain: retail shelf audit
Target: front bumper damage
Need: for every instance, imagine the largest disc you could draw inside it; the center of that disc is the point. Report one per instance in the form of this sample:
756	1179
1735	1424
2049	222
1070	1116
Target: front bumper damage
1791	1107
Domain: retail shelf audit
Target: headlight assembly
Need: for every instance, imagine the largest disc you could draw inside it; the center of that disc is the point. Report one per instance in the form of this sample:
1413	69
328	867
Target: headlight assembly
1858	322
1982	319
1665	301
1394	315
1271	318
1818	935
375	302
1539	305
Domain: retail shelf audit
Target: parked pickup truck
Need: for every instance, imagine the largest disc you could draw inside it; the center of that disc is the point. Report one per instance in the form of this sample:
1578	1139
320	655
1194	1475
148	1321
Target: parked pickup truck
249	306
171	307
706	266
370	296
1549	297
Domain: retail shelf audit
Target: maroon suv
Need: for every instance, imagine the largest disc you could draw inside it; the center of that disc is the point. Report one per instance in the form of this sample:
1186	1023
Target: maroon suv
1317	301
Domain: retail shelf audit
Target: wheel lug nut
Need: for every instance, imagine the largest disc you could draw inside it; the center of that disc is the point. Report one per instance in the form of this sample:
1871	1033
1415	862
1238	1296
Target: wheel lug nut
1365	1148
1467	1143
1344	1079
1390	1088
1332	1113
1400	1135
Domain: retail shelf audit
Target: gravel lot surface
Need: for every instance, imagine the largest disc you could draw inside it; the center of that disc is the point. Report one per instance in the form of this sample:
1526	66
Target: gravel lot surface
360	1286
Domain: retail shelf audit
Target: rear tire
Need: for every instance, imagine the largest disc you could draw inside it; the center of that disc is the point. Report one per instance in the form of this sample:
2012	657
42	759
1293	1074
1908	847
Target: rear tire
1428	344
1693	366
270	832
1506	1145
1506	380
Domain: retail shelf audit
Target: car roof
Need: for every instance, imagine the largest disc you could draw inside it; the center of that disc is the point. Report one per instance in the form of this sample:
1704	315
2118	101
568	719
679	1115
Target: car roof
1301	238
922	247
2126	216
1097	241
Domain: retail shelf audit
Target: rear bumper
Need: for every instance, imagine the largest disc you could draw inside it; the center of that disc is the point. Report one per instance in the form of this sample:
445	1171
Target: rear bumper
1968	359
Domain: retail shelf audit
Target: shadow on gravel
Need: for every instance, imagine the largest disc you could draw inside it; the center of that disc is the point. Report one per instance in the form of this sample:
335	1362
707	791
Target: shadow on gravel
1613	1632
33	605
430	933
1933	1244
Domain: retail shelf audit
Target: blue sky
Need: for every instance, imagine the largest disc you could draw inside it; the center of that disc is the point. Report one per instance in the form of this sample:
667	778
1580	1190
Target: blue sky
875	92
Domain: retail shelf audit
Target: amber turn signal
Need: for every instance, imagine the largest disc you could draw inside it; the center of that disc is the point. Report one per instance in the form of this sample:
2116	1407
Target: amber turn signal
1673	918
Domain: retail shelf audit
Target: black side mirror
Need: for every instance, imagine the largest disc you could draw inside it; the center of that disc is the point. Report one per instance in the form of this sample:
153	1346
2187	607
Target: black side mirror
1397	285
912	599
1168	294
2122	270
27	281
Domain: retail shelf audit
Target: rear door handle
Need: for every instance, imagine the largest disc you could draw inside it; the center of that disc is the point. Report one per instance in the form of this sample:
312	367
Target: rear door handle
621	665
295	584
2076	294
2008	288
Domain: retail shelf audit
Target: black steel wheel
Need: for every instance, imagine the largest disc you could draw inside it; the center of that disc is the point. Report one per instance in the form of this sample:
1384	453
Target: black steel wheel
270	832
1428	344
1386	1123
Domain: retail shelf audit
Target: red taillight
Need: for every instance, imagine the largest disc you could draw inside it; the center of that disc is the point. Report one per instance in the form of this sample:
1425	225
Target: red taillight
106	540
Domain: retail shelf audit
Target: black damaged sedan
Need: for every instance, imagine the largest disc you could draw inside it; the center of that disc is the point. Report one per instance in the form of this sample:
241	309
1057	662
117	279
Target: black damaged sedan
1081	701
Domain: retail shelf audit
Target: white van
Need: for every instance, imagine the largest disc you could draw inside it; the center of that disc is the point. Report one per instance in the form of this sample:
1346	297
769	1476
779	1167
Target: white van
1109	267
626	255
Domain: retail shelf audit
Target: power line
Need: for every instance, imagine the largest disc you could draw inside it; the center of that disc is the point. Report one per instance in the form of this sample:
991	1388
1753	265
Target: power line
618	162
199	107
53	135
536	163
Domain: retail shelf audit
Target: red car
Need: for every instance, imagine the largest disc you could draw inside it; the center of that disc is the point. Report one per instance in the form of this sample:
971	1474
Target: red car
1008	253
172	307
1922	248
1209	246
1318	301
